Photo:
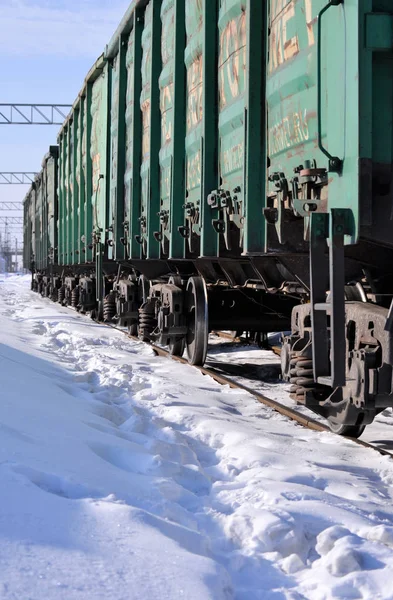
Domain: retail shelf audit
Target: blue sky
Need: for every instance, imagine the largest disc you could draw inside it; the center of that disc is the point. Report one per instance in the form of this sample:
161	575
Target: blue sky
46	48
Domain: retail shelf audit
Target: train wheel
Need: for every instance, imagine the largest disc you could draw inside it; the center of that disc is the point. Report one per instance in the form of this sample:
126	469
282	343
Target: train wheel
353	431
54	295
197	320
176	348
133	329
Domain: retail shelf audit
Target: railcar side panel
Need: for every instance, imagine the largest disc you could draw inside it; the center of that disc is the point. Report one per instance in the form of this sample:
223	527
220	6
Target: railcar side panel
329	89
114	199
51	203
87	172
99	153
232	78
75	188
166	84
151	135
133	138
60	194
194	120
117	216
68	195
70	199
37	222
80	181
27	233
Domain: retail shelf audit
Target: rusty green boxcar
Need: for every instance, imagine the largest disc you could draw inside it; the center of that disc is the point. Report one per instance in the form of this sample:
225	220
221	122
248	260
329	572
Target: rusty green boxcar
228	164
40	222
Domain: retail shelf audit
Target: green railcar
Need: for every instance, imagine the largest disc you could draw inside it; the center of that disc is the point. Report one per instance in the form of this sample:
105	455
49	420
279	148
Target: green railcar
28	233
40	222
329	144
184	117
228	164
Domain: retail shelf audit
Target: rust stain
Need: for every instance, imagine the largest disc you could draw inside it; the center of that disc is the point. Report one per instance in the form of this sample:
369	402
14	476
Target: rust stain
283	48
232	59
195	93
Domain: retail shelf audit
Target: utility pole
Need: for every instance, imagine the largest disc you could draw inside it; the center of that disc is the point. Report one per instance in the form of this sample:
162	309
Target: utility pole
5	250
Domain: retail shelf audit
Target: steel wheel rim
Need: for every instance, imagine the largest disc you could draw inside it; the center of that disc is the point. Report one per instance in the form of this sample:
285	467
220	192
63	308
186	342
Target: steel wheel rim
197	318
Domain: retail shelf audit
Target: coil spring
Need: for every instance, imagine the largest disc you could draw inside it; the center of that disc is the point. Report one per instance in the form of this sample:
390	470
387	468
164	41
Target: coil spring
61	294
147	323
109	307
301	377
75	297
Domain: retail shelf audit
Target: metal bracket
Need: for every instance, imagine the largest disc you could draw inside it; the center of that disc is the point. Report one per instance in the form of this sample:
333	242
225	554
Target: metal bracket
219	225
184	231
281	185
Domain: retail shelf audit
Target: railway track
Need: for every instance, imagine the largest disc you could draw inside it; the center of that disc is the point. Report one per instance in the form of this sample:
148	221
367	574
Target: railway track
282	409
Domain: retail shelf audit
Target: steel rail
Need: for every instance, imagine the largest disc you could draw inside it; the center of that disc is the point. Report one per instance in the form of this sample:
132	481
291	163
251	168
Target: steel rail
290	413
283	410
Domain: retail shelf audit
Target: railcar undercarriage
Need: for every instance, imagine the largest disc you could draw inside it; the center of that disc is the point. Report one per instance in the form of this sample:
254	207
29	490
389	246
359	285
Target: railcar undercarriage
180	310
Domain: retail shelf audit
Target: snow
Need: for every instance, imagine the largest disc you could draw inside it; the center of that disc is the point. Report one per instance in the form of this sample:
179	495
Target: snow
129	476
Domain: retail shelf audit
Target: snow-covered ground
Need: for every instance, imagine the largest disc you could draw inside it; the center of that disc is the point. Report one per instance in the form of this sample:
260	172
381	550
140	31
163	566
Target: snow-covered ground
128	476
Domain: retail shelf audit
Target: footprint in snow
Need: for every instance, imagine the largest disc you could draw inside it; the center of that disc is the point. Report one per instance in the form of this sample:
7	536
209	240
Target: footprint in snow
138	460
107	412
23	437
109	430
134	460
53	484
39	329
309	480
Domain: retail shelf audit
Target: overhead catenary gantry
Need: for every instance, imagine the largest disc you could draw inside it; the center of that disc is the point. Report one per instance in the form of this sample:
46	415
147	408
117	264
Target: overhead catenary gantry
11	205
11	220
17	177
33	114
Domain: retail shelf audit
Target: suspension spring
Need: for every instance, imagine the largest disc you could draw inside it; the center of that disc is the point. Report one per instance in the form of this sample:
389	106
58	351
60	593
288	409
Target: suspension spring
147	322
61	294
109	307
75	297
301	377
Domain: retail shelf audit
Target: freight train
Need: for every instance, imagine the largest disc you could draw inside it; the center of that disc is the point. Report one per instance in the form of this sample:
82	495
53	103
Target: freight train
228	165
